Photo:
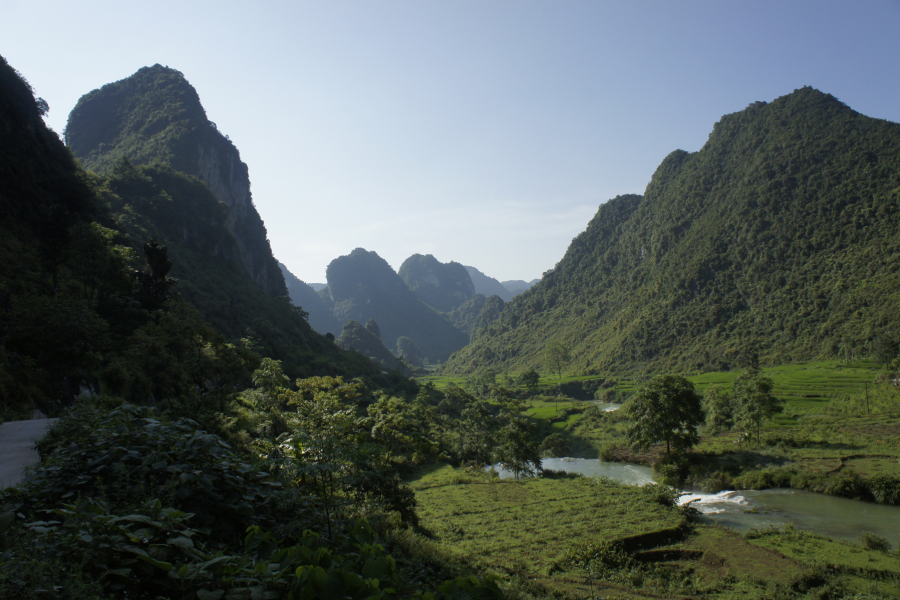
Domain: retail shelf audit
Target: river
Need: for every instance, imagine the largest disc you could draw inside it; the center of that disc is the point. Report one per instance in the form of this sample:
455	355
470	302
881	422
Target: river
829	516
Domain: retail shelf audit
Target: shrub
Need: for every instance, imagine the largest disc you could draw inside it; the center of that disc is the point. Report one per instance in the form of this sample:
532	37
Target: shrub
874	542
885	489
132	453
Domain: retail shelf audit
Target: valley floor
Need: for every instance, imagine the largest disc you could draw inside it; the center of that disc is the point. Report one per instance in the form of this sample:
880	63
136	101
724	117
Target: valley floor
580	537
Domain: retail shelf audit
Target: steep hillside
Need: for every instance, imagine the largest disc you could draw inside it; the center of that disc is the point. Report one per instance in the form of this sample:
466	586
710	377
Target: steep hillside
488	286
155	116
363	286
180	212
321	315
356	337
475	314
779	236
439	285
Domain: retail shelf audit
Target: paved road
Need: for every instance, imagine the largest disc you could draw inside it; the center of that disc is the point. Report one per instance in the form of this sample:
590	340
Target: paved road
17	451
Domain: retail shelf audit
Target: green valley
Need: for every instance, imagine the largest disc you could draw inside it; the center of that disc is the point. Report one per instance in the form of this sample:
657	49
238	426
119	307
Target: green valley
226	432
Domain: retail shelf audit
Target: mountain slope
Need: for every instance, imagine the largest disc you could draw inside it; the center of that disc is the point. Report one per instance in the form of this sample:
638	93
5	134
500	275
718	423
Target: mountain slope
778	236
363	286
155	116
442	286
321	316
488	286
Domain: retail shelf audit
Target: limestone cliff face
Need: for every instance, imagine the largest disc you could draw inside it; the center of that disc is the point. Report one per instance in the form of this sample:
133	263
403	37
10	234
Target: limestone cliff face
220	167
156	116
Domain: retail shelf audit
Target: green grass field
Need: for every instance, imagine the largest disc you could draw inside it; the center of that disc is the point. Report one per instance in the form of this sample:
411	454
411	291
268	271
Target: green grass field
524	530
827	424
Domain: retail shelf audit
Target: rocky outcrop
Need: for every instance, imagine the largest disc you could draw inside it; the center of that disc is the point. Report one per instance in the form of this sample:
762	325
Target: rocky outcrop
156	116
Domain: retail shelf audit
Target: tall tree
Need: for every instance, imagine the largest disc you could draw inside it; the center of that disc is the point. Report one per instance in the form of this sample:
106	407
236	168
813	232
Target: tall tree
557	356
719	409
518	449
755	401
665	409
530	379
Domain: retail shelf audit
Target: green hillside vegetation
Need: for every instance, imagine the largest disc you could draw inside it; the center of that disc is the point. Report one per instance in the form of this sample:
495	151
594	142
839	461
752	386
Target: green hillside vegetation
778	235
476	313
356	337
155	116
442	286
190	466
363	286
411	353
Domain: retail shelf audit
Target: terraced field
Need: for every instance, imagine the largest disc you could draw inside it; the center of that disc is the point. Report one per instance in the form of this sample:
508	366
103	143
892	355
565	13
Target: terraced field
524	531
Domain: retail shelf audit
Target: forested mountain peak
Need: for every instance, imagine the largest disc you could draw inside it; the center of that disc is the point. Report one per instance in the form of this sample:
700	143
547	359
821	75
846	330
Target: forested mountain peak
155	116
363	286
443	286
777	235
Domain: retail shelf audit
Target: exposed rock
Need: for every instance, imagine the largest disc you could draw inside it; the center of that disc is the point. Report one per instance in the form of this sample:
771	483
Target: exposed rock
156	116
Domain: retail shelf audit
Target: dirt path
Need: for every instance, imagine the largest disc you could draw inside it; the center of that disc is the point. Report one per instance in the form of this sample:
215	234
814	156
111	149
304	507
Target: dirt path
17	451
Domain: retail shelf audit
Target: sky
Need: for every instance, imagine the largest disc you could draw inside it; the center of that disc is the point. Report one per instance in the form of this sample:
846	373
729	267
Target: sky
484	132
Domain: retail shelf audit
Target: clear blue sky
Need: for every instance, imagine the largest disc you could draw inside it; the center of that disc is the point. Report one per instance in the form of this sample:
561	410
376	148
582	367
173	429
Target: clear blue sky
485	132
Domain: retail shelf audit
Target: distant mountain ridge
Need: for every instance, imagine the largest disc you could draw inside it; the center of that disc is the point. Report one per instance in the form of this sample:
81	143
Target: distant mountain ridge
363	286
779	236
518	286
443	286
321	315
488	286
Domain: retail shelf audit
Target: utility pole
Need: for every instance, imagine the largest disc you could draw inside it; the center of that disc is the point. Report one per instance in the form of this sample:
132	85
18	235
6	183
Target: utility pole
867	397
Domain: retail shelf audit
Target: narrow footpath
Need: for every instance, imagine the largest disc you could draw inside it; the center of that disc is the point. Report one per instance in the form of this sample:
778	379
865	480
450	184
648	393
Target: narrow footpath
17	451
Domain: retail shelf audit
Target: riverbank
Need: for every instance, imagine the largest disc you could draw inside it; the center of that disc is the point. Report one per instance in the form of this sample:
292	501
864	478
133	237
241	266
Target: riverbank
586	537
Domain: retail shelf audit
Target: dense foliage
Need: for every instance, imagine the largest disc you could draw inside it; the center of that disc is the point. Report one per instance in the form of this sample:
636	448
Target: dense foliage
476	313
131	503
778	234
356	337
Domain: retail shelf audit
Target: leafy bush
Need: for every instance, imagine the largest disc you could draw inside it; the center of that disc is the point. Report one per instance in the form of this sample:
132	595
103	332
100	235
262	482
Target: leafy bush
874	542
885	489
131	453
555	445
155	552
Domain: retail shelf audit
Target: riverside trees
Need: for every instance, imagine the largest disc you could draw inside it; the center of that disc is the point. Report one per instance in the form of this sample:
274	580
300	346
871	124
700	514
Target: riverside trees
665	409
755	401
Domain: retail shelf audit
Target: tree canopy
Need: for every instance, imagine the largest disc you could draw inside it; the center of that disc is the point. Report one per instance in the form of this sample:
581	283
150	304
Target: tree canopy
666	409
